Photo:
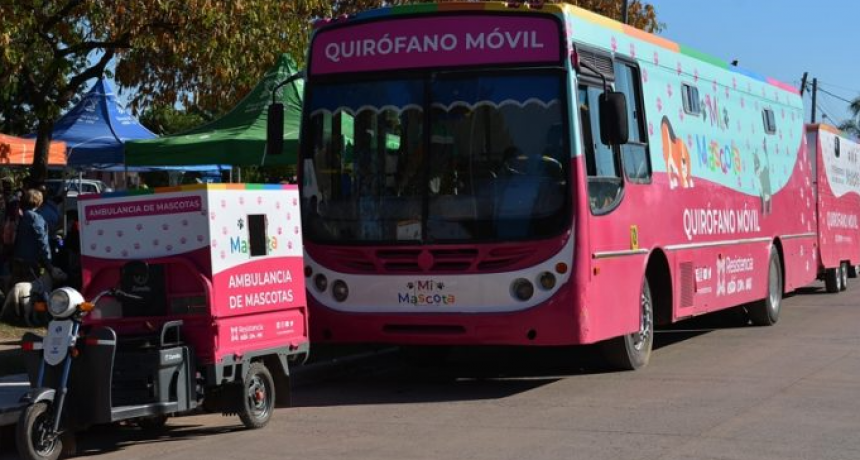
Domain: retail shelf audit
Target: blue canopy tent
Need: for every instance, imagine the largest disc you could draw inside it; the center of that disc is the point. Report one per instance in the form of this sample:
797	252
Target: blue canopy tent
95	130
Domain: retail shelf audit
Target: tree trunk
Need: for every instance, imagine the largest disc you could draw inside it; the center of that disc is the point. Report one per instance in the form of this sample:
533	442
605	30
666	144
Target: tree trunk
39	169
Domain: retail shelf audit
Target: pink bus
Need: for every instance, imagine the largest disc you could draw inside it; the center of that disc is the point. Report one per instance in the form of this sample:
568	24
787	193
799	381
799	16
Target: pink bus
486	174
836	159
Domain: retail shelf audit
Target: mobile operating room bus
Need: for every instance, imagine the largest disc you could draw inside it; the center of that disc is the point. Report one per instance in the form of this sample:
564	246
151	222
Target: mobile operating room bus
485	173
836	198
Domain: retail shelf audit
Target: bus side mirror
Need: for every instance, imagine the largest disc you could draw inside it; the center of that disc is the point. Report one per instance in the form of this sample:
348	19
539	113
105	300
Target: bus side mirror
613	118
275	129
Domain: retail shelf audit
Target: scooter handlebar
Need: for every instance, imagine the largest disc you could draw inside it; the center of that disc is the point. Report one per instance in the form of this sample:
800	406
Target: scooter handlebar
118	293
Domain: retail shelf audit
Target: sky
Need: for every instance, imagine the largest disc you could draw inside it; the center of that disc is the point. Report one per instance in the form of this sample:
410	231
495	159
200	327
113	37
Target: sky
779	39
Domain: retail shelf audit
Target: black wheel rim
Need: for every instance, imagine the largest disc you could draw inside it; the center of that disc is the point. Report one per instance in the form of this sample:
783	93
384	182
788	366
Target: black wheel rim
257	393
43	442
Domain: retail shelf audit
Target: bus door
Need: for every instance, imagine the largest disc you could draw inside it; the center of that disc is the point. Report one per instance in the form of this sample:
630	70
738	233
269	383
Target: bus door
615	175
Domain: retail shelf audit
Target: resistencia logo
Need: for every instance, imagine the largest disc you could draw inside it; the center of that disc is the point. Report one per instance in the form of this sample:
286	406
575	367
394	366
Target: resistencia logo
425	293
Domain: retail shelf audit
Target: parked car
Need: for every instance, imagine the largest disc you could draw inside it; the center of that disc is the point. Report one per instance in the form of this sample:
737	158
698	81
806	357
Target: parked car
76	186
68	190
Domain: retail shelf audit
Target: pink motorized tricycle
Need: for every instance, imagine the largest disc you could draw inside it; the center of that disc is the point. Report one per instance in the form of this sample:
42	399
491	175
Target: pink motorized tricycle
195	299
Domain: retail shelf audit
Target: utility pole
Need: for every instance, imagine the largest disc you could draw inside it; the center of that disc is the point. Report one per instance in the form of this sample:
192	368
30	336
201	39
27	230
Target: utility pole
814	97
803	82
624	6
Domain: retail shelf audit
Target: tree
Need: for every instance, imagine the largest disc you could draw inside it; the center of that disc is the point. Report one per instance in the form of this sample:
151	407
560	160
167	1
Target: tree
166	120
852	126
204	53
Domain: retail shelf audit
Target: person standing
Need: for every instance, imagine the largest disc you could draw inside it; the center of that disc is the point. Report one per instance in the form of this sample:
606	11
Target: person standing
31	251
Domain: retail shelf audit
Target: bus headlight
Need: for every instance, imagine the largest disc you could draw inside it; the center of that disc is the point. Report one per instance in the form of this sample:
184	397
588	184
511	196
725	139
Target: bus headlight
340	290
522	289
63	302
546	280
320	282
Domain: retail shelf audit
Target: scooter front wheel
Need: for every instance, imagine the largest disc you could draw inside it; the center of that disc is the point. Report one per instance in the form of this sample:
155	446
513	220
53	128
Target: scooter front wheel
34	435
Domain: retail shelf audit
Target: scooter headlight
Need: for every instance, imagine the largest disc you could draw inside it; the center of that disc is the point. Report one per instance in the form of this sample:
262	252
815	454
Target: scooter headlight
63	302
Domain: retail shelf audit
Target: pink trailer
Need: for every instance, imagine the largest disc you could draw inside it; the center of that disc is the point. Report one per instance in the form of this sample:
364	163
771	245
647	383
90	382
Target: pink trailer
836	161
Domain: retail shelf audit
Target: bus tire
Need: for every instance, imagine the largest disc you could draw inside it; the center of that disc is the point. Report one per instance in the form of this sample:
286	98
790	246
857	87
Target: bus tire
632	351
843	275
765	312
852	271
832	280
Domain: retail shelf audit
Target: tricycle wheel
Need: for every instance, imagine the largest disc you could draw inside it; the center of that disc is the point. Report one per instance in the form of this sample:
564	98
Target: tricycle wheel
34	434
258	397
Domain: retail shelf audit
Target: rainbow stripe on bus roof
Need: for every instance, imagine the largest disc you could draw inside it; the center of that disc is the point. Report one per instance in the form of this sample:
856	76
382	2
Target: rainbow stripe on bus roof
560	10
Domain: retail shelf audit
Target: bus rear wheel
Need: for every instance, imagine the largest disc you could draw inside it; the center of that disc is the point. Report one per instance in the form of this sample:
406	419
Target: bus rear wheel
844	276
632	351
833	279
765	312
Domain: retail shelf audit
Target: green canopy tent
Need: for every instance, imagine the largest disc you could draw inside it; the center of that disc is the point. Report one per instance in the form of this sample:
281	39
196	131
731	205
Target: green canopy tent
239	137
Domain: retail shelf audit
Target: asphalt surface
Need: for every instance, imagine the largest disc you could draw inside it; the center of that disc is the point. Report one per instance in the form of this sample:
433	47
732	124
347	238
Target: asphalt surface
715	389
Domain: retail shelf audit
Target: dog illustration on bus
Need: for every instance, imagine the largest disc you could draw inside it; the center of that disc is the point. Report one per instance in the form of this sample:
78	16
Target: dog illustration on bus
677	156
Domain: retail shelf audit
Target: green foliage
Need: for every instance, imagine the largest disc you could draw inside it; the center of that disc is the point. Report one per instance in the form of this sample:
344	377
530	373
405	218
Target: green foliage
166	120
852	126
204	53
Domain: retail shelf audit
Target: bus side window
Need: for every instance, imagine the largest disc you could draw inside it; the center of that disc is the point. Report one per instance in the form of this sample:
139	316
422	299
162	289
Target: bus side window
604	177
634	154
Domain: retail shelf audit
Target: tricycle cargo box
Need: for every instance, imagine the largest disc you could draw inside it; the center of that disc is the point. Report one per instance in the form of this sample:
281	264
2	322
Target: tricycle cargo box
225	259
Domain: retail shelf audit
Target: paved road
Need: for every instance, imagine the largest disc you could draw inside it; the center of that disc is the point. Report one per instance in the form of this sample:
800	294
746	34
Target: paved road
722	391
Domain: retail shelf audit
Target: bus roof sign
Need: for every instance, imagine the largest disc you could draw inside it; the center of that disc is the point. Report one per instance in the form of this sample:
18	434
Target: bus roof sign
440	41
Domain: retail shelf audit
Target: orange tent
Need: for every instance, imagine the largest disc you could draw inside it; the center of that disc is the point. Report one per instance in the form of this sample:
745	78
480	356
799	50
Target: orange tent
15	151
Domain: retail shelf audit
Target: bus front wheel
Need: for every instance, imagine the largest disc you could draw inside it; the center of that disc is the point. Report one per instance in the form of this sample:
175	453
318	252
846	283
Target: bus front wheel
632	351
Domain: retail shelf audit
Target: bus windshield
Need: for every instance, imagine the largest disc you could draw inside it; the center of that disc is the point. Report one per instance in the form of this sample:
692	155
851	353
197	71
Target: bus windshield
445	158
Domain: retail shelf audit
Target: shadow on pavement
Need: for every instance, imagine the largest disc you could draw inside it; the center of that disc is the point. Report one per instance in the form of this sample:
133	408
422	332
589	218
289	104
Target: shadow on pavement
427	374
113	438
